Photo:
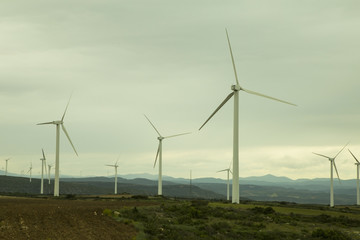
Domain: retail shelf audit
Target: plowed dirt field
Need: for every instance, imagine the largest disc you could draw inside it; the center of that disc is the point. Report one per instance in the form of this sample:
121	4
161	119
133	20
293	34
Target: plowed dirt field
34	218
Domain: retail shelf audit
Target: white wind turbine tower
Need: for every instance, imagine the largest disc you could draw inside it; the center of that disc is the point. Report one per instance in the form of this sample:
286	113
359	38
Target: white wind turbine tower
43	165
57	170
6	167
30	171
159	153
332	165
235	92
116	167
357	179
228	182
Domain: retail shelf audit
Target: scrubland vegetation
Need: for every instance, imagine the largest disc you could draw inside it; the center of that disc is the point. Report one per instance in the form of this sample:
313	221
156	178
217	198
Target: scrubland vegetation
199	219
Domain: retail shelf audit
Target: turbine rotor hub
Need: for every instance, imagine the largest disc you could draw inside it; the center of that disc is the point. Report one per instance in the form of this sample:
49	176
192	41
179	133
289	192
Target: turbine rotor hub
58	122
235	88
160	138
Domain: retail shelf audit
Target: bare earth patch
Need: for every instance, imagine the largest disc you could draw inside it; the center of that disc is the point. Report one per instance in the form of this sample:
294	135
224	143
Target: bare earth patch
34	218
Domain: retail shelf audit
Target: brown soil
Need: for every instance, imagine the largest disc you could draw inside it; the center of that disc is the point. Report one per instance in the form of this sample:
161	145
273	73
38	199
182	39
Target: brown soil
35	218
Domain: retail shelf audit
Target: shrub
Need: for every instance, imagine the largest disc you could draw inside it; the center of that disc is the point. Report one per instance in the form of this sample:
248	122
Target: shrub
139	197
329	234
260	210
70	196
107	212
269	210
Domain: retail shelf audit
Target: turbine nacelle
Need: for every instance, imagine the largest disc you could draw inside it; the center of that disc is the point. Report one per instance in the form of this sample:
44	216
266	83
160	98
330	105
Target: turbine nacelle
236	88
160	138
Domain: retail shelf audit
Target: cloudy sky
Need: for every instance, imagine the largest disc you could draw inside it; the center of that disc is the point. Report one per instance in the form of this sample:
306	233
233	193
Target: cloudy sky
170	60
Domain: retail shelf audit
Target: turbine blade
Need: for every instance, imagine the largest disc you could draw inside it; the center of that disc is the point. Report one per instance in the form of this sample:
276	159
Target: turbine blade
157	154
117	160
177	135
232	57
45	123
66	108
341	149
336	170
152	125
109	165
67	135
265	96
43	153
322	155
223	170
44	160
218	108
353	156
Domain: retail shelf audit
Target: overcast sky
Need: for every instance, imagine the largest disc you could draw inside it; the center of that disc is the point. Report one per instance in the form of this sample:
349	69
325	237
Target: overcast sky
170	60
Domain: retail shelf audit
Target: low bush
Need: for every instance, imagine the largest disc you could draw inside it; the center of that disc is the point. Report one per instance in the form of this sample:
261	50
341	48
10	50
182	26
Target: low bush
329	234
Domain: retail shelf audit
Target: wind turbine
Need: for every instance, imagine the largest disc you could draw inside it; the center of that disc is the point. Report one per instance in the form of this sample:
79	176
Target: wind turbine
357	180
58	123
228	182
332	164
116	167
6	166
235	92
30	170
43	165
159	153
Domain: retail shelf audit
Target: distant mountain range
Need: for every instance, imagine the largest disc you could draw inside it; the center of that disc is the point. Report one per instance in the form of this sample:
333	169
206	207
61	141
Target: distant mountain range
263	188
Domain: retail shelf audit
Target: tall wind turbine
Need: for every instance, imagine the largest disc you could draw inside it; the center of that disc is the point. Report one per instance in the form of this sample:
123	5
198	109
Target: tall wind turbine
6	168
357	179
228	182
159	154
43	165
57	124
235	92
332	165
116	167
30	171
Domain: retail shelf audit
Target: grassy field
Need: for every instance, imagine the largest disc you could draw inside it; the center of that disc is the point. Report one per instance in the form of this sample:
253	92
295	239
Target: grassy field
198	219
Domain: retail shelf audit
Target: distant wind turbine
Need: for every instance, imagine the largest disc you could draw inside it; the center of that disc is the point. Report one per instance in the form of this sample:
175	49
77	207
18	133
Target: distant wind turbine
357	179
116	167
57	170
228	182
30	171
235	92
159	153
43	165
6	168
332	165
